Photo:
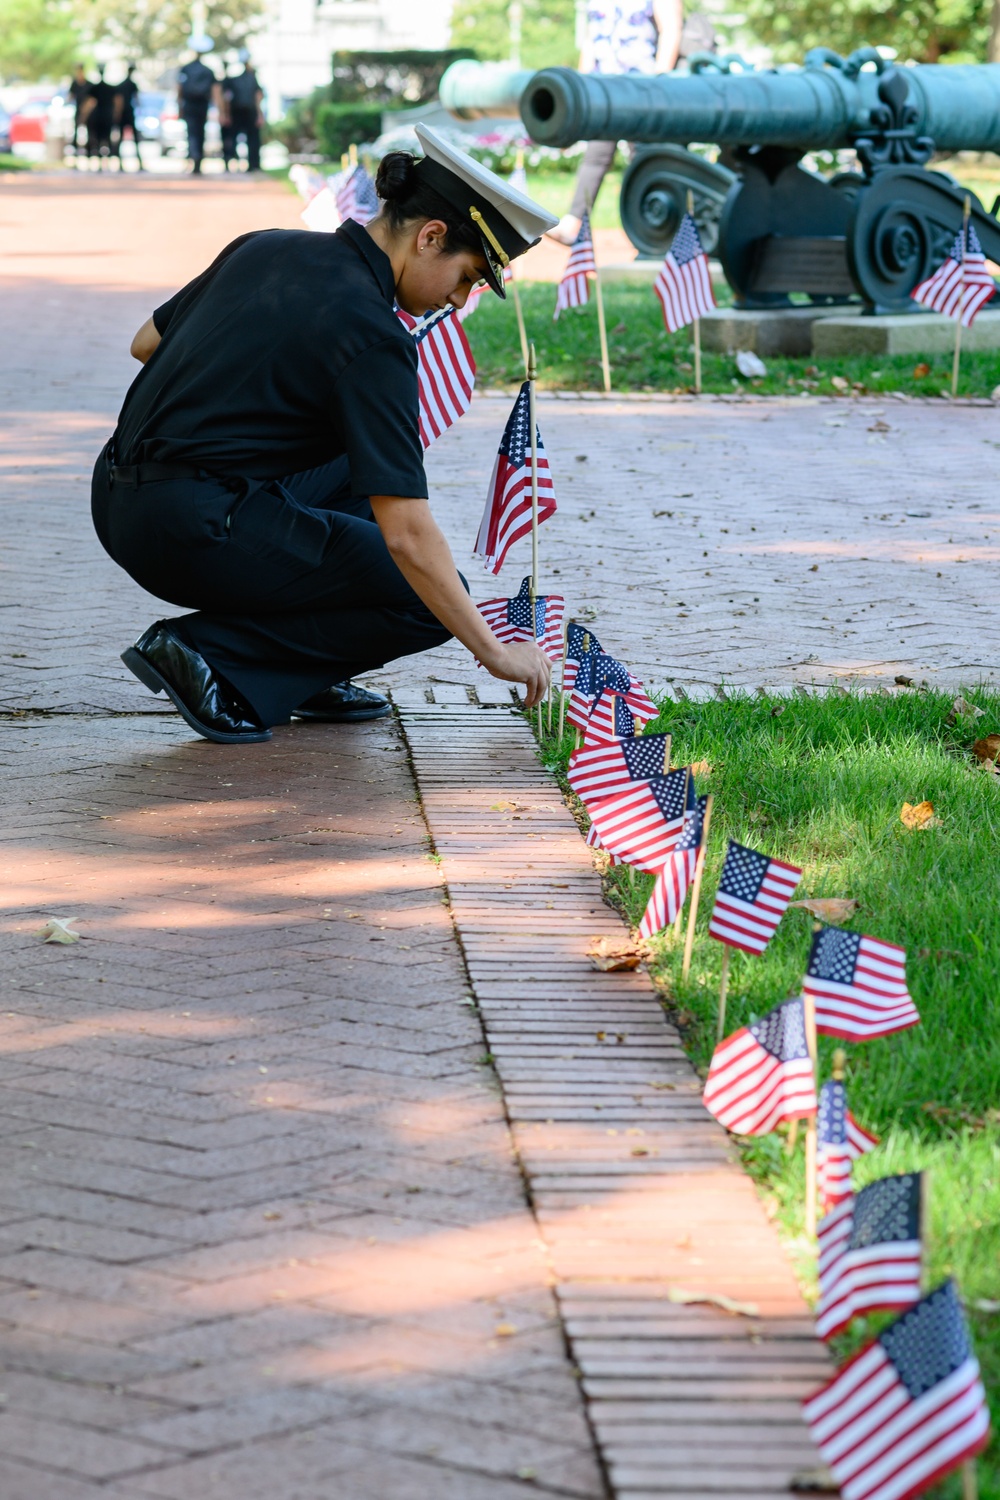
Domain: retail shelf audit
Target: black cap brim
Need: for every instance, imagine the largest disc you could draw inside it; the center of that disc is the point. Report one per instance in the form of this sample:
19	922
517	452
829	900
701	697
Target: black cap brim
493	275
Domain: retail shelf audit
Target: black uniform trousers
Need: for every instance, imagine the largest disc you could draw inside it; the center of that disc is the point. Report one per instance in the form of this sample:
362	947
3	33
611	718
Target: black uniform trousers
244	123
195	115
293	584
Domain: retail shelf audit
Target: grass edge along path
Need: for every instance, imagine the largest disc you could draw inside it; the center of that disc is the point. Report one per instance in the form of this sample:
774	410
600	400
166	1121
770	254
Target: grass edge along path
819	781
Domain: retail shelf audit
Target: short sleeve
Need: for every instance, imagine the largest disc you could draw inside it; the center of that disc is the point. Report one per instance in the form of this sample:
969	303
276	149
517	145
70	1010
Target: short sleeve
375	401
163	315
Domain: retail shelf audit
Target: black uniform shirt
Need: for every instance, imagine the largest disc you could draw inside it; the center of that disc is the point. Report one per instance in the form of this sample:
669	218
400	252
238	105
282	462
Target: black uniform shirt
285	354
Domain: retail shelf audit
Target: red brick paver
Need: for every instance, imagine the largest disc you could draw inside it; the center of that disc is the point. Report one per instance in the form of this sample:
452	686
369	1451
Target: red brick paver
634	1185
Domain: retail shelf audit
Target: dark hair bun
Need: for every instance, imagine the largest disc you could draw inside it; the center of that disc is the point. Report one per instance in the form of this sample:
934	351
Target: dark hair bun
395	180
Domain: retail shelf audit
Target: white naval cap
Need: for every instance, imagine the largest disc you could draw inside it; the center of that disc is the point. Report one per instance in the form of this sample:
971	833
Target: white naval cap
509	222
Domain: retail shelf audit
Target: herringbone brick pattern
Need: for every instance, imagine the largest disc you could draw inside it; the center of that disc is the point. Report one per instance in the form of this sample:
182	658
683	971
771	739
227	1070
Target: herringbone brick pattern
262	1229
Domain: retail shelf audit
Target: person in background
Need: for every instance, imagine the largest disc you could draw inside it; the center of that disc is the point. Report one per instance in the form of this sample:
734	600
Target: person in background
221	98
196	85
100	120
127	92
623	36
240	112
79	92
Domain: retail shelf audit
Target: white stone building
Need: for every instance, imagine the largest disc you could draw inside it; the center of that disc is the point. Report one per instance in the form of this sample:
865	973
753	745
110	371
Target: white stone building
292	51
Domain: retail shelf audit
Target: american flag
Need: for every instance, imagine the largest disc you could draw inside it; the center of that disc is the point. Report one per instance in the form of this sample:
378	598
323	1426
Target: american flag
610	719
908	1409
753	893
859	986
870	1255
600	770
957	290
510	619
839	1141
596	672
674	879
446	370
574	289
356	197
507	516
763	1073
580	644
683	284
643	824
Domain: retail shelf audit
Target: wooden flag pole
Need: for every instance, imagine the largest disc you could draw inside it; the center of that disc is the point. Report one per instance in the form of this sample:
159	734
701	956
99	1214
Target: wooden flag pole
809	1011
599	295
967	210
521	330
666	761
562	683
970	1483
532	372
696	325
352	154
723	992
696	889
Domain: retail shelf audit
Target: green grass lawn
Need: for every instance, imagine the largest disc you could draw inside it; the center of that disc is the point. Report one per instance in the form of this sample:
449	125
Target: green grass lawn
644	357
820	782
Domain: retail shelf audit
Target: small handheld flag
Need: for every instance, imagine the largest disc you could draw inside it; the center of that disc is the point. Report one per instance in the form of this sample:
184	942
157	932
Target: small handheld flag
599	671
610	719
581	643
643	824
356	197
870	1252
908	1409
683	284
574	289
446	370
840	1141
507	516
859	986
676	875
763	1074
598	771
959	289
754	892
510	619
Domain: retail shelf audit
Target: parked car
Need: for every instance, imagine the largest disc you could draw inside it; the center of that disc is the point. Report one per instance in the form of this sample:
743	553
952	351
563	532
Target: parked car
28	123
148	115
4	130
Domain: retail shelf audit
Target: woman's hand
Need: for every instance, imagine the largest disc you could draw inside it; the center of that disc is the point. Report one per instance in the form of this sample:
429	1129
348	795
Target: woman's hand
525	663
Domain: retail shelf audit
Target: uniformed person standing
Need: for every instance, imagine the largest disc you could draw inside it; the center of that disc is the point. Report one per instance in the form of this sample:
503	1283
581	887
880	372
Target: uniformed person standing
196	85
242	96
267	471
100	118
128	92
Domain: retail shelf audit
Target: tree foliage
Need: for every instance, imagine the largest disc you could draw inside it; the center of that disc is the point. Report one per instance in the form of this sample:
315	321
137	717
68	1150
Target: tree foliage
548	31
920	30
144	29
38	39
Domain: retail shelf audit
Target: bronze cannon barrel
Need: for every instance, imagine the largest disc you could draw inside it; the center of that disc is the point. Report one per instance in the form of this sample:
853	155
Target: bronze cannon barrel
473	90
822	106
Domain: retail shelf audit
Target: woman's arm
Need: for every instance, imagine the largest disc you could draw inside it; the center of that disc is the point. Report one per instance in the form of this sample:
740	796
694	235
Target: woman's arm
422	554
145	342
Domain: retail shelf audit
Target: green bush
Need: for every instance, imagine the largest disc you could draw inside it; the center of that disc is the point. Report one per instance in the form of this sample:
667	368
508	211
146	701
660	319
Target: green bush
341	125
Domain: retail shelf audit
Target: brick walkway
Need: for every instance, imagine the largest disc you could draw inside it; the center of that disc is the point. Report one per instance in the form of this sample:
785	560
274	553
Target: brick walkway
326	1277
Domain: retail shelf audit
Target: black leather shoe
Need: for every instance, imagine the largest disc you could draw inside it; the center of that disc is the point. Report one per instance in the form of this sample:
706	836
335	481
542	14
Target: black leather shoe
165	665
344	703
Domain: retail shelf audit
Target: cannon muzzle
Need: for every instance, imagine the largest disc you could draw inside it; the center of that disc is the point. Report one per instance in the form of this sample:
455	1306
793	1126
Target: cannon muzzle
826	105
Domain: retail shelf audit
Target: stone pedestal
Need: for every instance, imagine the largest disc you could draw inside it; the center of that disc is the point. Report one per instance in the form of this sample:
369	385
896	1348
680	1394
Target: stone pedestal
765	331
906	333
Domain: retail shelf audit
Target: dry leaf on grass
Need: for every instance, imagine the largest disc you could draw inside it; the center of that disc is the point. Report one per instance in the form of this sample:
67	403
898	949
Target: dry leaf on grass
961	708
839	383
717	1299
919	815
829	908
613	954
701	768
921	371
988	748
58	930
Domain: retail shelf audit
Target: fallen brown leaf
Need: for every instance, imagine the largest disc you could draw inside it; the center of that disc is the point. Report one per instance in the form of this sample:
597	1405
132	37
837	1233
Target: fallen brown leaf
961	708
58	930
611	955
815	1482
919	815
880	426
503	807
829	908
839	383
717	1299
988	748
701	768
505	1330
921	370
